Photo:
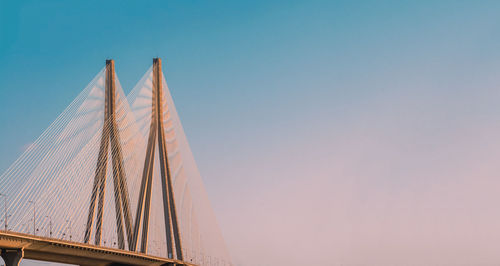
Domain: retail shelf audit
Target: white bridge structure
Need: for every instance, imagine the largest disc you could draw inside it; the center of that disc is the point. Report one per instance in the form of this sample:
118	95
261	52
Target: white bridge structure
112	181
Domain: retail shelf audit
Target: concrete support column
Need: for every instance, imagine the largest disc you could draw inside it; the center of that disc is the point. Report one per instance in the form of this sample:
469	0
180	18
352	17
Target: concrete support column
12	257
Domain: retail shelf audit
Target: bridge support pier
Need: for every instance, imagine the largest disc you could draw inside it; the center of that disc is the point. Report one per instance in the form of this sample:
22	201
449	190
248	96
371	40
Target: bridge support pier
12	257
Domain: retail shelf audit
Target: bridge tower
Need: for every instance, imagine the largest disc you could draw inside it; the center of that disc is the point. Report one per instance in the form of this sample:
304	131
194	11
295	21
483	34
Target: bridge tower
157	133
110	137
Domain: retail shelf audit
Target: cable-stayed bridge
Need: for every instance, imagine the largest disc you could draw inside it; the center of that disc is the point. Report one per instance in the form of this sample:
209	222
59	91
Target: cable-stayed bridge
112	181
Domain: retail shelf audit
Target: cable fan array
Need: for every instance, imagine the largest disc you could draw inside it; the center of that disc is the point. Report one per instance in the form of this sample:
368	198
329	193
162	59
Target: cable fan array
49	189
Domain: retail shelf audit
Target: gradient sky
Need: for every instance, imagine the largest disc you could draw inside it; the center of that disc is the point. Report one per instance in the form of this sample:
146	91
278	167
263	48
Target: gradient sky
327	132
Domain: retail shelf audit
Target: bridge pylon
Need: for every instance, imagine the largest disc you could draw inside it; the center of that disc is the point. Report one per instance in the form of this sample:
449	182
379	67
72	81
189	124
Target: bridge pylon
110	137
157	133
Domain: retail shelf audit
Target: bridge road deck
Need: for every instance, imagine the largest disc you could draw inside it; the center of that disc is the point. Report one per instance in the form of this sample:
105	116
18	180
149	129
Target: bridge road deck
62	251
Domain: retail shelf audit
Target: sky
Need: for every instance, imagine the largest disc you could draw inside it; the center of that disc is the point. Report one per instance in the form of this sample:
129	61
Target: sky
326	132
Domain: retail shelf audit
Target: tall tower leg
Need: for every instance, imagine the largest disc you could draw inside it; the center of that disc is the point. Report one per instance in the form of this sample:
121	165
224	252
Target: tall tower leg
110	136
169	210
157	132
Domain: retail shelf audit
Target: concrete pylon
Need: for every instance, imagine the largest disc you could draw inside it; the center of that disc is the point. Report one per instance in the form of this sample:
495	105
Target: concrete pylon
110	137
12	257
157	133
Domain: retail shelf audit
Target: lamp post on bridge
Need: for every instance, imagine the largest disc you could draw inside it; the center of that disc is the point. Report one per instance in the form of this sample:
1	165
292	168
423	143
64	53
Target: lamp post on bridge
34	216
50	225
70	235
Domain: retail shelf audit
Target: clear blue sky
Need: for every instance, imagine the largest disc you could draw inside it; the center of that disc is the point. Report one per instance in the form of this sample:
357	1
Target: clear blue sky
366	108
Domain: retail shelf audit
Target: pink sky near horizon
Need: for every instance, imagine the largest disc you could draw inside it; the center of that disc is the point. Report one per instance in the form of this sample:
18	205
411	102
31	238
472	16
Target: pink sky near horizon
405	179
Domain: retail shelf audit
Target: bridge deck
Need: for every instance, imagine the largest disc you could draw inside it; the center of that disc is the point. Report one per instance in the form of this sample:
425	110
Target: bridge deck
55	250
